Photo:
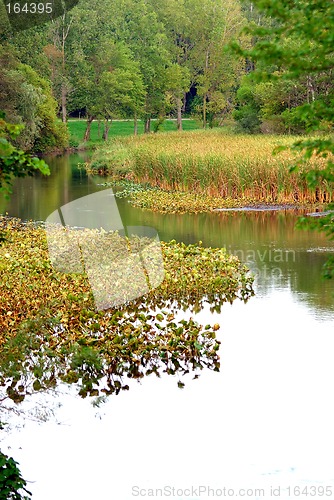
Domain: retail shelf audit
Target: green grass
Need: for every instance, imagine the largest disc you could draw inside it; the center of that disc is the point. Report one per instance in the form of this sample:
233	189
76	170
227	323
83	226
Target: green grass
120	128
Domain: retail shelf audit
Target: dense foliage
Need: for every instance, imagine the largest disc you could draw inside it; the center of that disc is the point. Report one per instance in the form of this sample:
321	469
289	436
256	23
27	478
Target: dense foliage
13	161
26	99
152	58
291	85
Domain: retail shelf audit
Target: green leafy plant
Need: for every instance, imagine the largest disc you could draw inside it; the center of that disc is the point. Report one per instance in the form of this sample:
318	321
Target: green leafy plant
15	162
12	484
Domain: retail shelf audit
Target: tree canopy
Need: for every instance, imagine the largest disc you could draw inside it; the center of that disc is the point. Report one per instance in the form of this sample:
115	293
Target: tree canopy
174	61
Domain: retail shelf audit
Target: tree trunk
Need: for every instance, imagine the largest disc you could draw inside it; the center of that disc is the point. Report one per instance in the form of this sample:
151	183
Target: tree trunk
63	102
179	114
204	111
205	82
107	126
184	102
310	89
148	126
135	126
60	34
88	127
63	65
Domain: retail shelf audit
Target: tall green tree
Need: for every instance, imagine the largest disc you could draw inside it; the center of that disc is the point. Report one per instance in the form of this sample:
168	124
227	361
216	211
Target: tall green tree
216	72
177	84
139	27
59	30
108	84
120	89
176	20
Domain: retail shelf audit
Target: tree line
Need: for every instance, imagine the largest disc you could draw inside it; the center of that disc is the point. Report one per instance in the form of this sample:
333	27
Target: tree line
145	59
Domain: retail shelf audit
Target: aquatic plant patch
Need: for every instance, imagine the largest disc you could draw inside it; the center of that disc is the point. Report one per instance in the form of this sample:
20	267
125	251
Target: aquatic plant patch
164	201
51	331
127	188
159	200
215	164
184	202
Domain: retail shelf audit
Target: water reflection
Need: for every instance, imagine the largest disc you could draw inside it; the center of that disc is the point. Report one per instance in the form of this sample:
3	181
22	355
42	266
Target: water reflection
36	197
280	255
264	421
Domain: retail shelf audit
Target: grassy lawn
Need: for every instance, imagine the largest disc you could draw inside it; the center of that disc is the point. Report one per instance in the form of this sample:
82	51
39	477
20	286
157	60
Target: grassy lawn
120	128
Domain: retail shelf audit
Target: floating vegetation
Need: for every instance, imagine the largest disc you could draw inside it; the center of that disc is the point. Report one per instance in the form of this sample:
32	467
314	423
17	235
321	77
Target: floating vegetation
130	188
163	201
51	332
183	202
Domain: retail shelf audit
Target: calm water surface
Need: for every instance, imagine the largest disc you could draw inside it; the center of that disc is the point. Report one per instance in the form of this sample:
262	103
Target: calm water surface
265	422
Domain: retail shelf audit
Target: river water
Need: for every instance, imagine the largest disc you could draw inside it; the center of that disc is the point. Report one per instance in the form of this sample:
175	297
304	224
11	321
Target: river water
261	428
